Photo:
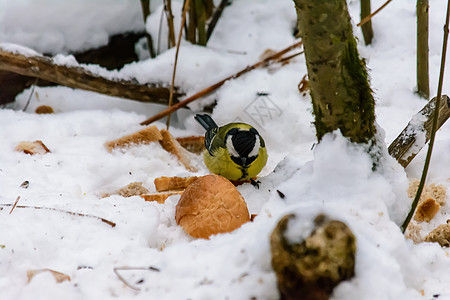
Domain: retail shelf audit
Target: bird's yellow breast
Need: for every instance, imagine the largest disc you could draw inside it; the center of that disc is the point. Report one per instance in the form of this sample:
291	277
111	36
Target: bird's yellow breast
220	163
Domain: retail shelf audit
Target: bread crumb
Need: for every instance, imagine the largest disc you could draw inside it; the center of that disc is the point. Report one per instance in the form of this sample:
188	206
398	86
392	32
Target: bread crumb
160	197
145	136
426	210
432	198
44	109
194	144
170	144
440	234
163	183
413	233
132	189
36	147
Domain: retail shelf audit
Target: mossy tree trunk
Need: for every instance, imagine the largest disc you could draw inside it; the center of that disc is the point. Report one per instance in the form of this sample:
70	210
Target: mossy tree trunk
423	87
340	91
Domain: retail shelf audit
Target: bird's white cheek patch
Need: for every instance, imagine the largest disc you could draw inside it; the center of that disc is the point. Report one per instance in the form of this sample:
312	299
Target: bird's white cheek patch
230	147
255	150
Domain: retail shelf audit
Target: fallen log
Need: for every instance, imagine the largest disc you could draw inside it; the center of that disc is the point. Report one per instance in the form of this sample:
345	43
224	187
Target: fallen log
417	133
78	77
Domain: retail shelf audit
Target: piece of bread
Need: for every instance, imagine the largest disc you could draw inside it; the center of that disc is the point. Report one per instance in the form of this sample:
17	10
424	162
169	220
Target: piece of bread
194	144
211	205
36	147
132	189
437	192
44	109
160	197
170	144
163	183
440	234
144	136
426	210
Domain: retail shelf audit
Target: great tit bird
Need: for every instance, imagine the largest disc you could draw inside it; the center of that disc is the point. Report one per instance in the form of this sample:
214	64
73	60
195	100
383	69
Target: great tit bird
235	151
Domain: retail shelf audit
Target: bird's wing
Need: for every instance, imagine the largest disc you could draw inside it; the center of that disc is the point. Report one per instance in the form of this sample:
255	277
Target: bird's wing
213	141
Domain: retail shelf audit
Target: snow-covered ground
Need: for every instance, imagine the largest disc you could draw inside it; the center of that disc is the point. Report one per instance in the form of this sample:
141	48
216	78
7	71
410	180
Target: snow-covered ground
333	177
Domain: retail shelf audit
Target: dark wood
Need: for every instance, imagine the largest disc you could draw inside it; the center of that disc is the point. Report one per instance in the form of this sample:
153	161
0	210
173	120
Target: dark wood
80	78
408	144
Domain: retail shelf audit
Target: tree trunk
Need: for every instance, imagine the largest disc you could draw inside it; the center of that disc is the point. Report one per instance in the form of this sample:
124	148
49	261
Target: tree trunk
340	91
366	27
423	88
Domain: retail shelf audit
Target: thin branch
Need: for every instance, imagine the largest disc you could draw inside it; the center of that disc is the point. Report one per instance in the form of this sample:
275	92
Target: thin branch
213	87
78	77
186	5
369	17
30	96
117	269
215	18
169	16
435	124
145	4
15	203
112	224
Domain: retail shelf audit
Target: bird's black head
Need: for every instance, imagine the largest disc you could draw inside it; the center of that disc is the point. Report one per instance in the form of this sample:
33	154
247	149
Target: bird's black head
243	145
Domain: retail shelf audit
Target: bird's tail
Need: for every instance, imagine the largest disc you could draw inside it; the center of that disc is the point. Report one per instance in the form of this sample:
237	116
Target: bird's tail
206	121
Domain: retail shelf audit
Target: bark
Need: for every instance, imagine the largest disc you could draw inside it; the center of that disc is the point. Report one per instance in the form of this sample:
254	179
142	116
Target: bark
366	27
311	269
340	91
118	52
77	77
423	88
410	141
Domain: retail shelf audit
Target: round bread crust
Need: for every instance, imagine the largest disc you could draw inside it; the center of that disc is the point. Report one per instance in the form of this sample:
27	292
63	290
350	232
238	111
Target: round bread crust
211	205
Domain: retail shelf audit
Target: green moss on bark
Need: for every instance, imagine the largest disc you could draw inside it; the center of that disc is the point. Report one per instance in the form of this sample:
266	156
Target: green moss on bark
340	91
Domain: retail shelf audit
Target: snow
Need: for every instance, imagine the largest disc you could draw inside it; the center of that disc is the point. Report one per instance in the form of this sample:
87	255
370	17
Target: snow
333	177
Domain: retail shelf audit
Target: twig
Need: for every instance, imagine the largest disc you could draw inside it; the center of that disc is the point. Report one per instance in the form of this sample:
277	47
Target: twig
31	95
169	16
284	59
145	4
213	87
369	17
186	5
215	18
435	124
153	269
15	203
112	224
